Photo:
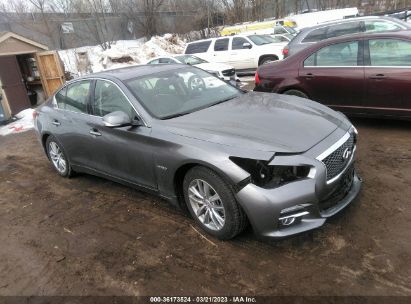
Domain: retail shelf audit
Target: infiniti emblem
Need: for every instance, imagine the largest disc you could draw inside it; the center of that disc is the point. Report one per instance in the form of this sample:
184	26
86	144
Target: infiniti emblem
346	154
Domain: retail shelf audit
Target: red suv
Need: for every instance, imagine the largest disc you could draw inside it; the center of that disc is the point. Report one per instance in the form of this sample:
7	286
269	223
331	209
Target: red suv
364	74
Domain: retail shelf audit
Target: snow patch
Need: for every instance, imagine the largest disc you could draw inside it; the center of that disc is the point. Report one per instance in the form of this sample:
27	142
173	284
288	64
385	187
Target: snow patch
123	53
23	123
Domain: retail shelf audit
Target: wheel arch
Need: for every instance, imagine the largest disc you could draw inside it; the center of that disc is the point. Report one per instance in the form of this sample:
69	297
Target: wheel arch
44	137
182	170
262	57
283	90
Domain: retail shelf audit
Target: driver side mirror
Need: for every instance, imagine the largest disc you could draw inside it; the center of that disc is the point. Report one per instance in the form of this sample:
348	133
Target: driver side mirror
247	45
117	119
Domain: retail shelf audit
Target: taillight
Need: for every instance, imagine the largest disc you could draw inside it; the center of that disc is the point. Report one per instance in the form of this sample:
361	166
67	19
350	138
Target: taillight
285	51
257	78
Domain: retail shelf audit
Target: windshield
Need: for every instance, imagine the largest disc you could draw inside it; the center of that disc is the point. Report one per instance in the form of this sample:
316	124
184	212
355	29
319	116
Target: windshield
189	59
180	91
261	39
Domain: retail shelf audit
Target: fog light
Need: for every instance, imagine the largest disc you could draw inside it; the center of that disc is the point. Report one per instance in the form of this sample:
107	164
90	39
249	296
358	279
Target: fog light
287	221
292	218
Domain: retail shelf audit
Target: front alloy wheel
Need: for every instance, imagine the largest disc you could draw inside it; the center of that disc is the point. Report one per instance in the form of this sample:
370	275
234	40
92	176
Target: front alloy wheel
211	202
206	204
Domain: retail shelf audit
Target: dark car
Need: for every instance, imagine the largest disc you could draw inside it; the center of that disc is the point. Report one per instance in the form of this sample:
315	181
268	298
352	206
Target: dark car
365	74
229	157
371	24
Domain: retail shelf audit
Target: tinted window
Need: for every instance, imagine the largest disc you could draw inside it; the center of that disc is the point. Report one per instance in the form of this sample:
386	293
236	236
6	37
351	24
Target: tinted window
221	45
316	35
390	52
77	97
343	29
341	54
108	98
380	26
198	47
165	60
238	42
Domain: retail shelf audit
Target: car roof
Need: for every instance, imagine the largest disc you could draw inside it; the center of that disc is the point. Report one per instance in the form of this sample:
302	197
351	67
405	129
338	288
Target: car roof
135	71
334	22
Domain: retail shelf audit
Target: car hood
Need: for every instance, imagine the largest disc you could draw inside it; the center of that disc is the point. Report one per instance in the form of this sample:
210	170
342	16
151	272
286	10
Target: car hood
260	121
210	66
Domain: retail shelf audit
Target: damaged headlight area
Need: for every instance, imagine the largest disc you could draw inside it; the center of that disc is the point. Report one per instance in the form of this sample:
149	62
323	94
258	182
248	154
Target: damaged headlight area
266	176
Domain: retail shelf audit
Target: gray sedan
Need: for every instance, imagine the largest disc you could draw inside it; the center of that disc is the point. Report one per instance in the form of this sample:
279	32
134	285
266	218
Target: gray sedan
281	163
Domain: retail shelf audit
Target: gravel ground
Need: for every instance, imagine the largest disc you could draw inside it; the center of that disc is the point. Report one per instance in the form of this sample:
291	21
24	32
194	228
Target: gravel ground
89	236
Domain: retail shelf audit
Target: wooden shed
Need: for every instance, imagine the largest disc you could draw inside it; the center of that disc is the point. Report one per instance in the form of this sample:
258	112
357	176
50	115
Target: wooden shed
28	72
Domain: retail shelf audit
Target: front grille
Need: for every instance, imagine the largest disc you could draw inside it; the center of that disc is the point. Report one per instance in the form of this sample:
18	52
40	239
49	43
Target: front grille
341	190
228	73
336	162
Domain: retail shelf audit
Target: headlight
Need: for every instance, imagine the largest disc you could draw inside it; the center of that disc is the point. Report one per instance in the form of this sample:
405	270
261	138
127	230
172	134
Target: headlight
266	176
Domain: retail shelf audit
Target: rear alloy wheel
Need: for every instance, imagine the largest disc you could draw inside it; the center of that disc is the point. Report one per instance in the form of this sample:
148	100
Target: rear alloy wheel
268	59
296	93
58	157
212	203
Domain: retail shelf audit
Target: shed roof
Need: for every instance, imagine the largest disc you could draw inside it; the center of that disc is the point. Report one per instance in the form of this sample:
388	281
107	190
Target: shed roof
14	44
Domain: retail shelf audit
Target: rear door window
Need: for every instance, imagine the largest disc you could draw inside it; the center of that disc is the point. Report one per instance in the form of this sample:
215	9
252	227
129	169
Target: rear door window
198	47
390	52
221	45
77	97
60	98
316	35
340	54
343	29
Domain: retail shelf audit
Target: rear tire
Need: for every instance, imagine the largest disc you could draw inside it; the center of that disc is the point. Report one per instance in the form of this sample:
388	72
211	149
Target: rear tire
205	192
58	157
296	93
268	59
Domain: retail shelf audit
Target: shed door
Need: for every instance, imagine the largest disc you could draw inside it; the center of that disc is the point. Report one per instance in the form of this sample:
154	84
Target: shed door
51	72
13	84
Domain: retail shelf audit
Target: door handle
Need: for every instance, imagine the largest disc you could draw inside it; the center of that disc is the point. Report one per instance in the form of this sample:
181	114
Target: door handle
309	76
378	76
94	132
56	122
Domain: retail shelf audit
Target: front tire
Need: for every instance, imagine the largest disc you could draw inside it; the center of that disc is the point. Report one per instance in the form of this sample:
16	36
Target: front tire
212	204
296	93
57	157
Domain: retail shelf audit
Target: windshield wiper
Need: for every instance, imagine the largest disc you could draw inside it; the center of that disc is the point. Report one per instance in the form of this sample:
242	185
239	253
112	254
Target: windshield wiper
175	115
224	100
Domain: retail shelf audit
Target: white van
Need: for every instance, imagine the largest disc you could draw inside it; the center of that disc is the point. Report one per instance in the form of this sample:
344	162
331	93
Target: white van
244	52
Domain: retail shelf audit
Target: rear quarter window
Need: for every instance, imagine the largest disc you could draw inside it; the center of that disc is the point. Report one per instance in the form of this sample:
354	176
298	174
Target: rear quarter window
316	35
198	47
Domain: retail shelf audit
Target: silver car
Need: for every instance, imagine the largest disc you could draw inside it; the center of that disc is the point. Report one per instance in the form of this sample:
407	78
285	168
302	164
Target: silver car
281	163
